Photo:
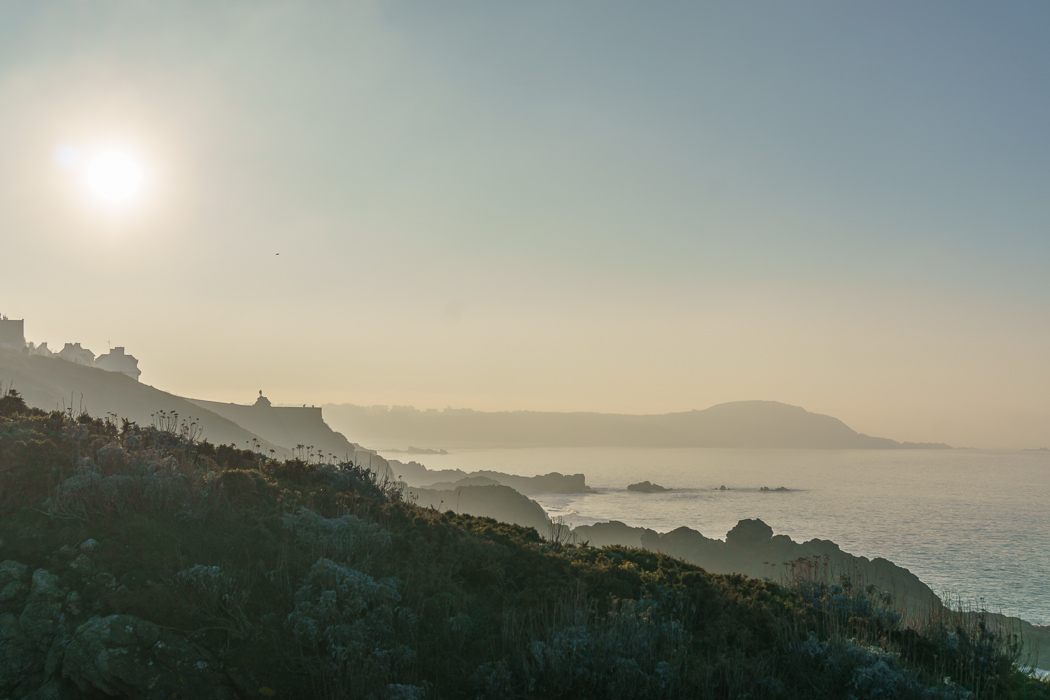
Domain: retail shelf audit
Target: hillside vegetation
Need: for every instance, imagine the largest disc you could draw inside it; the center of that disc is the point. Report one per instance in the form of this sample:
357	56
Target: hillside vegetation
137	562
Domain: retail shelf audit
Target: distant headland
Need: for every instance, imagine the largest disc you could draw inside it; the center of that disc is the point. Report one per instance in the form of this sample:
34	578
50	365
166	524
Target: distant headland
741	424
410	450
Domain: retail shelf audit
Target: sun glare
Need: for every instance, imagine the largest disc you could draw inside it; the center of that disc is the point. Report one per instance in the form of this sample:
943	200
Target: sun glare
114	176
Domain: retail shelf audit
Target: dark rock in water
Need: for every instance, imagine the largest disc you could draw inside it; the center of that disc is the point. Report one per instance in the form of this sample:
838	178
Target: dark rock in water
647	487
777	489
418	476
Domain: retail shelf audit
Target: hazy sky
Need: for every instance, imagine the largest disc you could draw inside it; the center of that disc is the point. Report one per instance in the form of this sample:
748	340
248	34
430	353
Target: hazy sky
629	207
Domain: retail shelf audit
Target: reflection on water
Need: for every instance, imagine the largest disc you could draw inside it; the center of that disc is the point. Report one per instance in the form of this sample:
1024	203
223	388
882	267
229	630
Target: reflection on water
976	523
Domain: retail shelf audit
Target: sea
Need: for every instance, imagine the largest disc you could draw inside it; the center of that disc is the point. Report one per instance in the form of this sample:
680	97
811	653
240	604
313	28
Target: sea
973	524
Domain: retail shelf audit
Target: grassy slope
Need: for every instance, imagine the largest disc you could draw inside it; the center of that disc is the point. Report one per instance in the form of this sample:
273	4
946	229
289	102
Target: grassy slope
310	581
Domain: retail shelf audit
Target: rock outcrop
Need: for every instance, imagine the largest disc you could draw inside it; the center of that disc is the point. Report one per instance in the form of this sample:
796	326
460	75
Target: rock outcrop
752	549
500	502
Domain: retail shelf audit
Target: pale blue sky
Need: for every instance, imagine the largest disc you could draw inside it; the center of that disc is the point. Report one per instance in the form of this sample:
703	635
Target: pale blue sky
594	206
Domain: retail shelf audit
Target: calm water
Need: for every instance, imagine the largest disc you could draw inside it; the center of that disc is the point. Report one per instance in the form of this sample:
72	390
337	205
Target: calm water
973	523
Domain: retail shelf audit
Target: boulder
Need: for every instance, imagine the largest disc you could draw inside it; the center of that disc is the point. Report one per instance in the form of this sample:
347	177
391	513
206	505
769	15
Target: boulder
126	656
13	581
42	617
21	663
55	689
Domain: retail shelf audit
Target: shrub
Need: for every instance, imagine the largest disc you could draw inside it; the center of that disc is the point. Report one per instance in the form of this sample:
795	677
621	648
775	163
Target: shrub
867	672
214	597
344	539
151	483
633	651
240	488
350	630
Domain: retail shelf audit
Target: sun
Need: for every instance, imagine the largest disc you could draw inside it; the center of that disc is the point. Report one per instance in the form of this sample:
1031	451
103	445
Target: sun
114	176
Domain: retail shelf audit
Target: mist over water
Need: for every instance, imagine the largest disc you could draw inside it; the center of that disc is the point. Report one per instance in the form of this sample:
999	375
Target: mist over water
973	524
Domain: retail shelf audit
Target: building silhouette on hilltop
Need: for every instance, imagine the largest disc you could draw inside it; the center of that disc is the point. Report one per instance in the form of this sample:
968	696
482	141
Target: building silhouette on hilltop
42	350
116	360
72	352
12	333
13	337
